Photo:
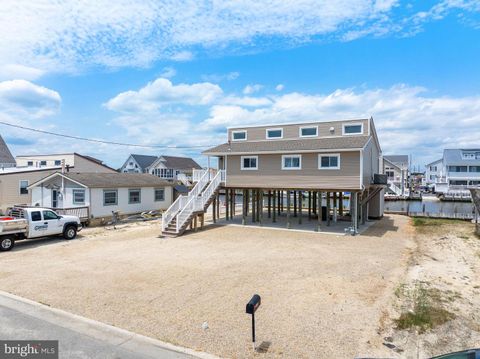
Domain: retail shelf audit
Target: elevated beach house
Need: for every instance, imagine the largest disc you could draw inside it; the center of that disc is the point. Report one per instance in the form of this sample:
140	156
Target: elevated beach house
96	195
284	166
167	167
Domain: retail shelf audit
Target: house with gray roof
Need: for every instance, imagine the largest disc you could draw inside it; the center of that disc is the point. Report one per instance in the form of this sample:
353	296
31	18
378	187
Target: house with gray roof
167	167
6	158
97	195
322	162
460	170
397	169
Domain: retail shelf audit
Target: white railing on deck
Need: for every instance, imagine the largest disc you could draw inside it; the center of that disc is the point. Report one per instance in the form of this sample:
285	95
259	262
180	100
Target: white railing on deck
182	177
198	201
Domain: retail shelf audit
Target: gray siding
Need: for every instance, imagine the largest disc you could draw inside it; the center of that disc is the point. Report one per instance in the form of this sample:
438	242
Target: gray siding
292	131
371	162
271	175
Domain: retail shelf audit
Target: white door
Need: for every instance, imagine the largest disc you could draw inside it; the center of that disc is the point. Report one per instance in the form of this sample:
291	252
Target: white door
37	227
57	201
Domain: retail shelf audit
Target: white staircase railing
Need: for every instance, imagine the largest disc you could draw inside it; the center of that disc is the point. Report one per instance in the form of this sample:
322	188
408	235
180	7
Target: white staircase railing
182	201
182	177
397	190
197	202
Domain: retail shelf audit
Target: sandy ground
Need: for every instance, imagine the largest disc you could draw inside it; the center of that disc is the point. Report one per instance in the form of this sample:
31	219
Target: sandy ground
323	296
445	259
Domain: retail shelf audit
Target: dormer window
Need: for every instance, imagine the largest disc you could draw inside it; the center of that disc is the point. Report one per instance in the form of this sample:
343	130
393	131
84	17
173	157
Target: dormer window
239	135
310	131
353	129
274	133
468	156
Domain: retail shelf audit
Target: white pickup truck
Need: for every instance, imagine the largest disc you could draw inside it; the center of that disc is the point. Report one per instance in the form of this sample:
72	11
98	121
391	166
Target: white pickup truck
35	222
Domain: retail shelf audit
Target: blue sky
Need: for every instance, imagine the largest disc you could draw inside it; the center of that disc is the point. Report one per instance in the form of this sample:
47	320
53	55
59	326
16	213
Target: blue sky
165	73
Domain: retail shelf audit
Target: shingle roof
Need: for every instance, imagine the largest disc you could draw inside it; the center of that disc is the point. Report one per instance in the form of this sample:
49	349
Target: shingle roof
454	157
347	142
5	154
181	163
144	160
114	180
397	159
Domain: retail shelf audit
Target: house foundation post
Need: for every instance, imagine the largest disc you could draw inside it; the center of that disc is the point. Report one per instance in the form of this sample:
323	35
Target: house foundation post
274	213
227	205
288	209
259	207
309	205
318	209
214	209
244	206
269	204
260	203
195	222
279	204
335	208
202	219
340	203
294	203
254	206
300	198
328	208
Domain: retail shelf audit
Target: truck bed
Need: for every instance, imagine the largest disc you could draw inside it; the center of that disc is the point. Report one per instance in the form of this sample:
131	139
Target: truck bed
12	225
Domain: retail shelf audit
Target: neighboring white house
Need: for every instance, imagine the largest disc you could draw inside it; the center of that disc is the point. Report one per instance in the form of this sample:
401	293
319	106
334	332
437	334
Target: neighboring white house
166	167
460	171
434	172
396	167
101	193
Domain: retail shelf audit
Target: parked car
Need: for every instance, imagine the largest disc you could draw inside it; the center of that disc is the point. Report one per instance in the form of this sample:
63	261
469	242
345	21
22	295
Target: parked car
35	222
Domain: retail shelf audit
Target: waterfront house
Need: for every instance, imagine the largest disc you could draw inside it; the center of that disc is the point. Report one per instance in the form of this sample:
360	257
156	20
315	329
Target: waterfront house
166	167
434	172
460	171
396	167
96	195
14	181
284	163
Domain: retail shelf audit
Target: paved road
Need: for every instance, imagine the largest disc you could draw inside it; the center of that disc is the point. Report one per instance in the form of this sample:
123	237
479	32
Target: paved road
78	339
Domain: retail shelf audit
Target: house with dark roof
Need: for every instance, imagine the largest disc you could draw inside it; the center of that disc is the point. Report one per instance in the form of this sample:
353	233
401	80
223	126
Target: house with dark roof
96	195
166	167
6	158
314	165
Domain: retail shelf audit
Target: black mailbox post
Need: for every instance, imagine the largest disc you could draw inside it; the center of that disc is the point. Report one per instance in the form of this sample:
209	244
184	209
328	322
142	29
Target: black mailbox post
252	307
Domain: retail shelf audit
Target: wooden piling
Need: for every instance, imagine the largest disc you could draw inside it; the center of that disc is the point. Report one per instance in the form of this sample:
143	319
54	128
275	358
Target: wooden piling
318	201
300	198
274	213
294	203
227	205
269	204
309	205
328	208
288	209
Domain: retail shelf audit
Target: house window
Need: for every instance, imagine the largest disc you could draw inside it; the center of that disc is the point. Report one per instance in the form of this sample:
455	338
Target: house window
458	182
353	129
78	196
291	162
249	162
433	168
47	215
110	197
43	163
159	194
457	168
474	169
309	131
23	187
130	163
134	196
30	163
432	177
58	162
274	133
390	174
329	162
468	156
239	135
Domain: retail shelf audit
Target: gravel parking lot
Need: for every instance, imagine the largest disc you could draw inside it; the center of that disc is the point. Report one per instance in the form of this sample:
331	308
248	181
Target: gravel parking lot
323	295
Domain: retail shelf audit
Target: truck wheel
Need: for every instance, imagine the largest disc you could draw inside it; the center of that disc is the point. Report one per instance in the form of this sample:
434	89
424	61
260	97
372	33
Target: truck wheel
70	232
6	243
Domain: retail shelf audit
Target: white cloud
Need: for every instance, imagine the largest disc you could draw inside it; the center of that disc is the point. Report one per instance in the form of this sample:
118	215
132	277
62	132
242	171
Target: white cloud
24	99
73	35
250	89
230	76
15	71
168	72
162	92
279	87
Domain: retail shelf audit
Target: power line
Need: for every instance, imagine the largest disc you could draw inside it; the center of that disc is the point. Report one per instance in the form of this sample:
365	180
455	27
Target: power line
95	140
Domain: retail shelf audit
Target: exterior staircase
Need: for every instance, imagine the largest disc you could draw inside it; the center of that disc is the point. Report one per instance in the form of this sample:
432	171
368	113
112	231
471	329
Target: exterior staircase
180	214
